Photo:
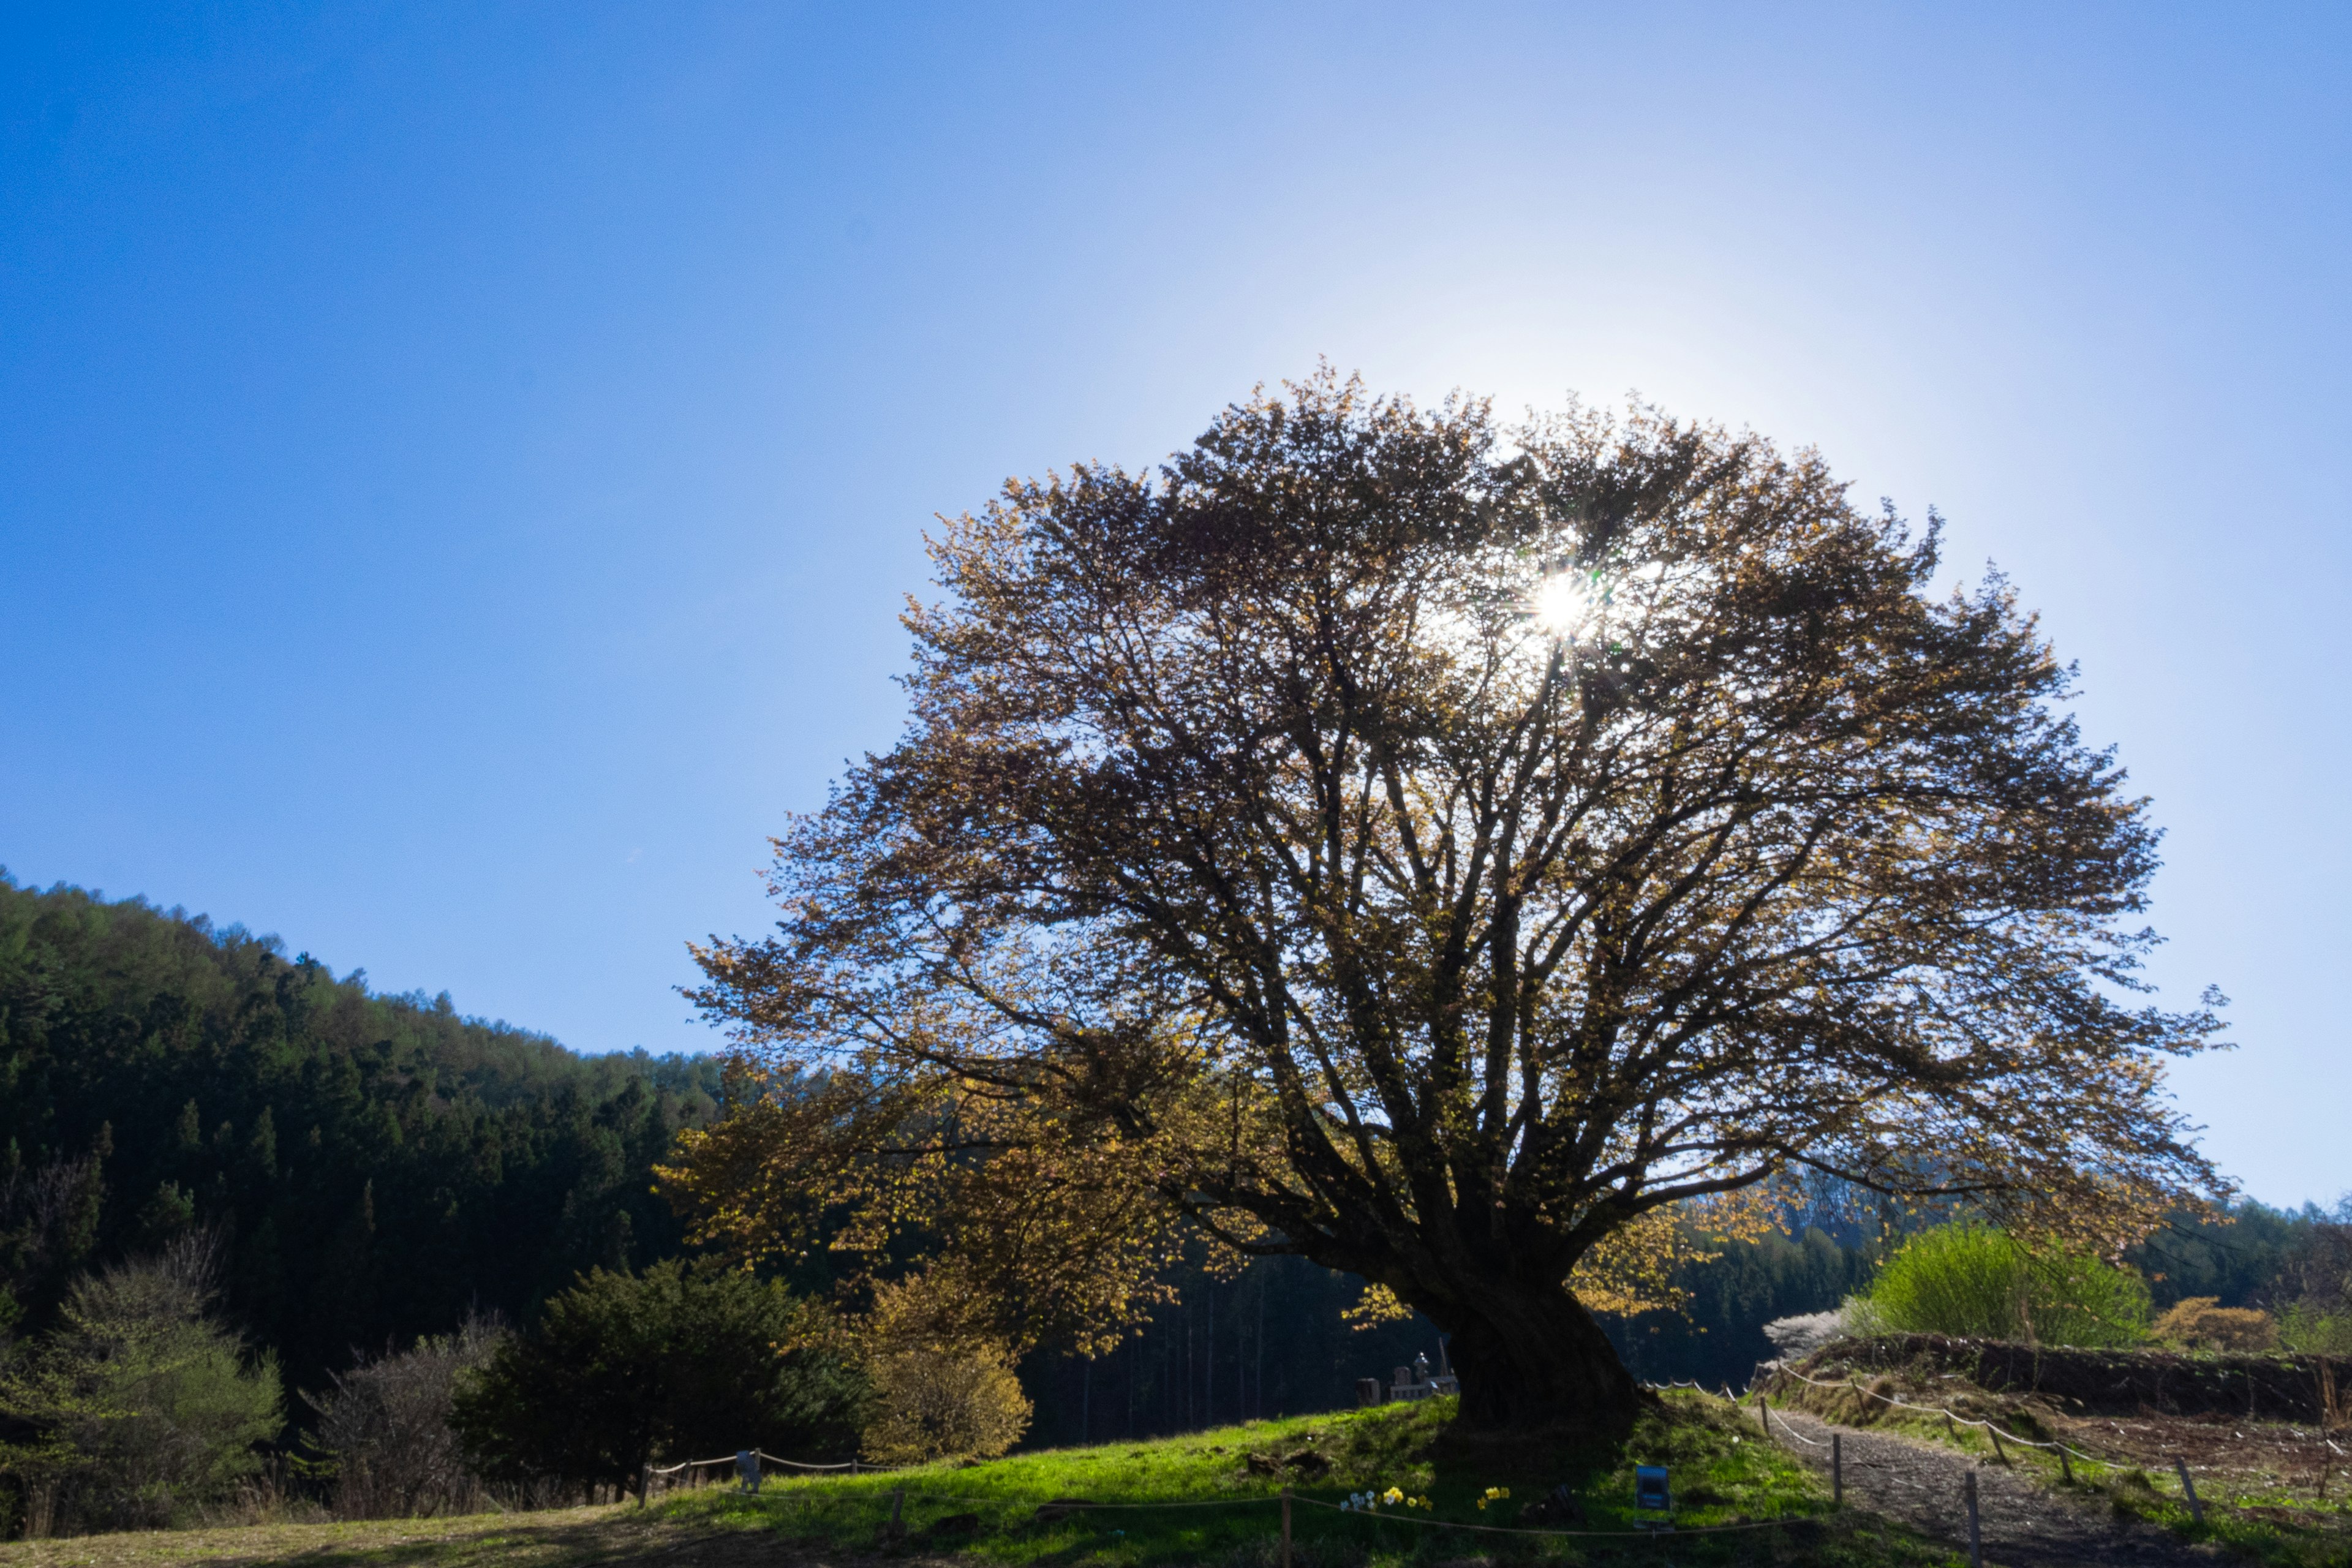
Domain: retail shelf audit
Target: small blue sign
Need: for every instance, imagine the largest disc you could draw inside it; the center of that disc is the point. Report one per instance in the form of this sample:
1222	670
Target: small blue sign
1650	1487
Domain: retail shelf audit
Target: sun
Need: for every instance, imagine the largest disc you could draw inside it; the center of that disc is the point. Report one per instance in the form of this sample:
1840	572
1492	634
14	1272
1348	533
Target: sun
1562	604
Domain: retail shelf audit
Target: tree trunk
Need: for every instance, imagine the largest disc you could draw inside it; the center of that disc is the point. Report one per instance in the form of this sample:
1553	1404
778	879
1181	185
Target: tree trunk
1530	1357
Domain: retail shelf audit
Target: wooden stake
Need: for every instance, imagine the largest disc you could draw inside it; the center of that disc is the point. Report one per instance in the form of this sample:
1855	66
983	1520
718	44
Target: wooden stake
1762	1419
644	1482
2188	1489
898	1499
1286	1527
1976	1536
1999	1452
1837	1471
2066	1464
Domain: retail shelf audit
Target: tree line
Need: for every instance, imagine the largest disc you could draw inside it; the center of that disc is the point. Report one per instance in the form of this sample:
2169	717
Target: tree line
375	1167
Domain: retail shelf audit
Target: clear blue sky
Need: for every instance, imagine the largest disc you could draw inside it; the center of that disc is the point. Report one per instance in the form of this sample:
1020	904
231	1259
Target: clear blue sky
459	466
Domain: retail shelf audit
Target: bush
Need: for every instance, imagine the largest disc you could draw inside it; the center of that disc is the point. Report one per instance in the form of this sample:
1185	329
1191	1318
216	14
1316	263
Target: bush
943	1383
386	1426
2309	1327
944	1402
677	1363
1972	1280
137	1406
2201	1323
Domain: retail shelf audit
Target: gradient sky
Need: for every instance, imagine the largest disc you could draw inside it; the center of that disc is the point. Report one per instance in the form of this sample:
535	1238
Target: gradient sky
460	466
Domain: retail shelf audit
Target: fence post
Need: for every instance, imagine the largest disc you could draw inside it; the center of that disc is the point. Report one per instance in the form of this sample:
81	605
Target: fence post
1997	1451
1837	1471
1976	1536
898	1499
2066	1465
645	1483
2188	1489
1286	1527
1762	1419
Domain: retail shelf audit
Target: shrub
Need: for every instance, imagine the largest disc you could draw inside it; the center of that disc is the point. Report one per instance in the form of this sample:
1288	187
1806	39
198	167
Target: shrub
2201	1323
137	1406
675	1362
385	1426
1973	1281
944	1402
2309	1327
943	1382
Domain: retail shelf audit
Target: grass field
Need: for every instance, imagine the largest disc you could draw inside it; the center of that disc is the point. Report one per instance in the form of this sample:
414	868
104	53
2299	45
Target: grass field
1192	1499
1198	1500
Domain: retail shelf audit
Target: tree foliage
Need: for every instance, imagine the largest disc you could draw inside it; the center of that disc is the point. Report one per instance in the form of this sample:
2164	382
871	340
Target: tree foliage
137	1404
1433	847
677	1362
385	1427
375	1166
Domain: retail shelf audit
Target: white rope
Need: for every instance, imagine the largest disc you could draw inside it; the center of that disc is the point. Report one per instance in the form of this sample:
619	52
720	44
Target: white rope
1792	1432
855	1466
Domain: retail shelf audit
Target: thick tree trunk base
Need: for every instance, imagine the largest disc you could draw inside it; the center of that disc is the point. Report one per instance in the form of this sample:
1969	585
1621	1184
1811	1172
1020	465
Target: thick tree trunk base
1533	1359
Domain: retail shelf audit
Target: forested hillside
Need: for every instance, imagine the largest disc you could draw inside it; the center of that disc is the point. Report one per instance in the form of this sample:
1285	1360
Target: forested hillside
375	1166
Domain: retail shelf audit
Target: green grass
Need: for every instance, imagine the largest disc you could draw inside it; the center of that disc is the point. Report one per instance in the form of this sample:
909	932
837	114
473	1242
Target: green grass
1721	1474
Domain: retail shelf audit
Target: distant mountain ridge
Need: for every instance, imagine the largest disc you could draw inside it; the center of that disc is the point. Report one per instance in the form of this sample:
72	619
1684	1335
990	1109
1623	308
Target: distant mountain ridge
377	1166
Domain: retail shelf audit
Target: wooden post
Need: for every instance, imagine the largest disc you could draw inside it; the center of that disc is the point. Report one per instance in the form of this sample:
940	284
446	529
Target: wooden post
1286	1527
1997	1451
1949	1430
898	1499
1837	1471
645	1483
1976	1535
1762	1419
2066	1465
2188	1489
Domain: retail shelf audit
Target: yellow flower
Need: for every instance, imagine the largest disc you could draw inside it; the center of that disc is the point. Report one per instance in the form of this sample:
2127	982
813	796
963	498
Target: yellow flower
1393	1495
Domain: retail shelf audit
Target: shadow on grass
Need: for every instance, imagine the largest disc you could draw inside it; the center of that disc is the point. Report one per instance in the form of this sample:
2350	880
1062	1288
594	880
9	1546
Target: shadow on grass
1216	1500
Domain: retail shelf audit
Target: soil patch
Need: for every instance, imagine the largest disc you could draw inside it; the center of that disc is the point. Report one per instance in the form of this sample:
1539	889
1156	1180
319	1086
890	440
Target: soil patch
2024	1525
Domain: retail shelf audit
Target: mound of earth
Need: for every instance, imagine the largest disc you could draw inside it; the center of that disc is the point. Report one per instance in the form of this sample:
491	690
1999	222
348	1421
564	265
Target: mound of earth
2268	1386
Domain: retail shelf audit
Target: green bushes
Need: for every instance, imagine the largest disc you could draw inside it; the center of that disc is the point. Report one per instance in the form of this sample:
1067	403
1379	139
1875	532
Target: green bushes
2309	1327
1972	1280
137	1406
679	1361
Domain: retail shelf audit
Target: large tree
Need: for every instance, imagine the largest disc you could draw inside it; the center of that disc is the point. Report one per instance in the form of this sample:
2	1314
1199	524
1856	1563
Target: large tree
1444	850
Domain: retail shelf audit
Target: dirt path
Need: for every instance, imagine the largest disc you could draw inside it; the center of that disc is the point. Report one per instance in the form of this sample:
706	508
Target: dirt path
2024	1525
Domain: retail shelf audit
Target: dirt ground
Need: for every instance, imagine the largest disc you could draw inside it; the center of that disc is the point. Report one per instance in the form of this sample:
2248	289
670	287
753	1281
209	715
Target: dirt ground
2024	1525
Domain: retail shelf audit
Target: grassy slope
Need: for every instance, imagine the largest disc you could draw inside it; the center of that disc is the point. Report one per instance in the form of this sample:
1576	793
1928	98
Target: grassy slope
1721	1474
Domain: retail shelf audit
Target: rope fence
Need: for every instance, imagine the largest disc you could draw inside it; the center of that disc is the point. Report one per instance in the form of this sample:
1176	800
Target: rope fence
1997	1432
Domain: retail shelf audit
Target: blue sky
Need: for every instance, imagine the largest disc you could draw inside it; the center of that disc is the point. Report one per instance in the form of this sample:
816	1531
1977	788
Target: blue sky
460	466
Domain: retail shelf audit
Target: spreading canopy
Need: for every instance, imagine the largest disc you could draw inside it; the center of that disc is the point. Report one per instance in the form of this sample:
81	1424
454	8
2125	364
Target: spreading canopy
1445	851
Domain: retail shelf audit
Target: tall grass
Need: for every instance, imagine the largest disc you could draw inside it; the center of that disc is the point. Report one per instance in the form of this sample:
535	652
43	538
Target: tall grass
1974	1280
